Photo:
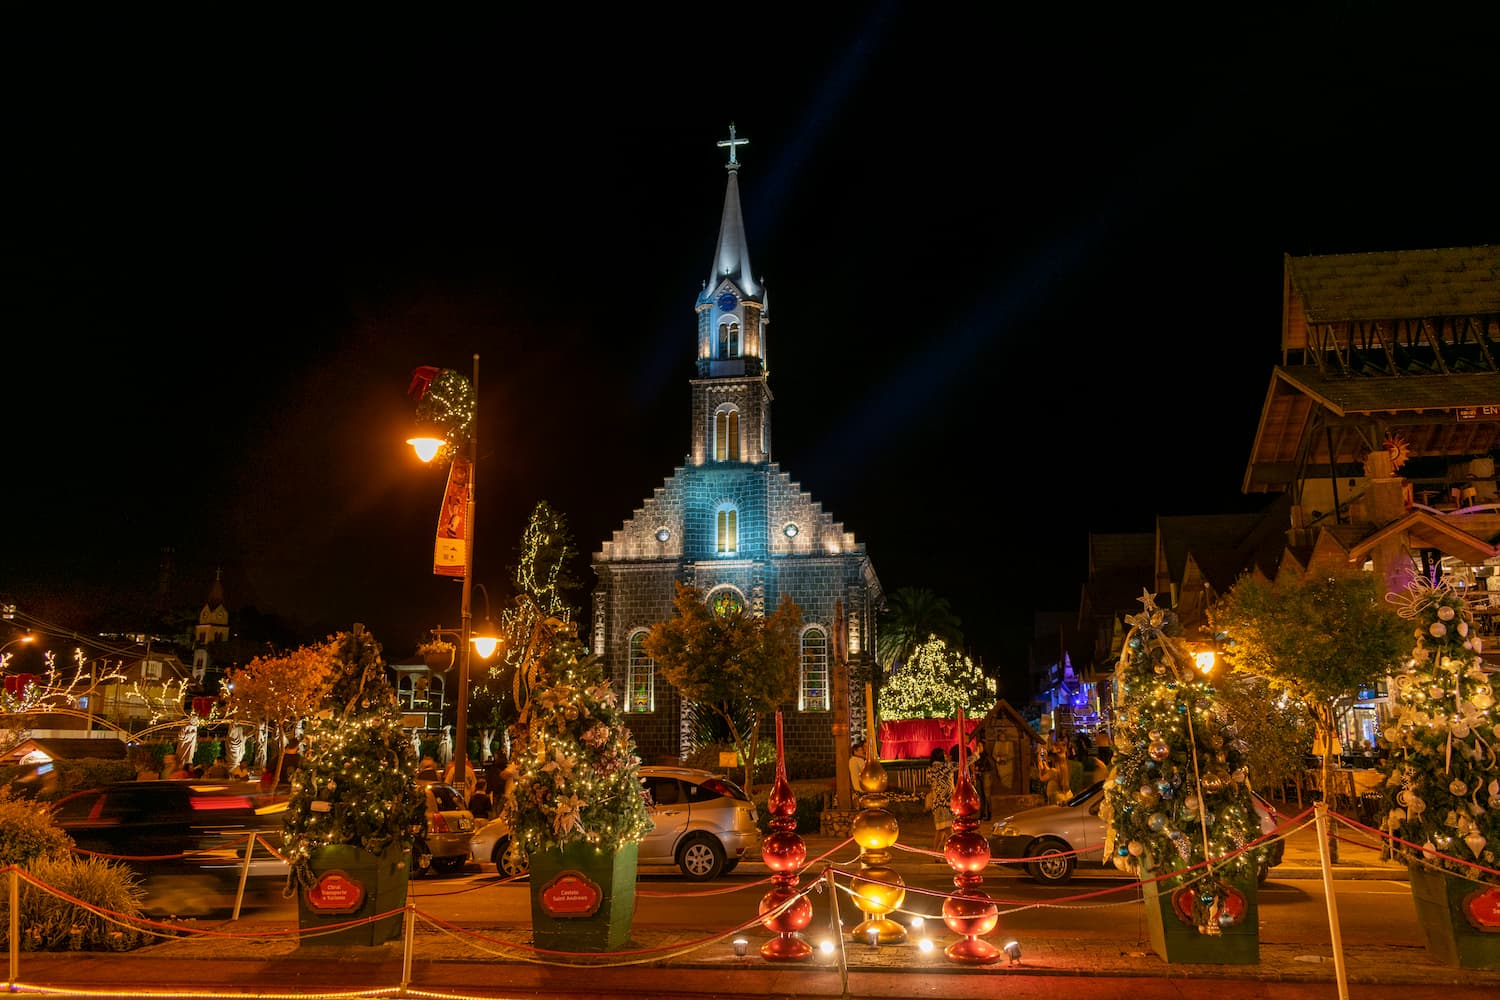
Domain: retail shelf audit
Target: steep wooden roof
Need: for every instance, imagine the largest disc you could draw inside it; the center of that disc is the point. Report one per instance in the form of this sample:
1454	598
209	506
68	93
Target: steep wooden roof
1405	342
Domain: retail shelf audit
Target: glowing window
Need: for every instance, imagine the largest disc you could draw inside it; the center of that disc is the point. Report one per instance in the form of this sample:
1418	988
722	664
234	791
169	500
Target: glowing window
812	691
640	681
729	337
726	602
727	531
727	434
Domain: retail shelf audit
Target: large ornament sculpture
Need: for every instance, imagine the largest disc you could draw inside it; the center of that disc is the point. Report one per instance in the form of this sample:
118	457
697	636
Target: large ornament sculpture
878	889
784	853
970	911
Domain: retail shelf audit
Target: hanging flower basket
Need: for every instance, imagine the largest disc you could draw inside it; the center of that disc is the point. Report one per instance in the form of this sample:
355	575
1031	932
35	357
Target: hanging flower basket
437	655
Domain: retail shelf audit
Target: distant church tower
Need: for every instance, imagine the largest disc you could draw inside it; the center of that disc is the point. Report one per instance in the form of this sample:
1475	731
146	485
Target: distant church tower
212	627
732	524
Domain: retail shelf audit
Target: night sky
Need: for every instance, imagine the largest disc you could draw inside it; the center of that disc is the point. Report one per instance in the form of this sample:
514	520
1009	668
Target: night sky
1024	276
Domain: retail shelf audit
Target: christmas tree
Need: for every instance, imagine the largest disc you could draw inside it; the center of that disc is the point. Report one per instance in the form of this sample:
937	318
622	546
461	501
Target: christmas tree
356	783
1442	775
1178	793
575	768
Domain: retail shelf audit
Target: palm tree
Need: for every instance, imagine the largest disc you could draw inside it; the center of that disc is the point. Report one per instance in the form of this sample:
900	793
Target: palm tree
912	615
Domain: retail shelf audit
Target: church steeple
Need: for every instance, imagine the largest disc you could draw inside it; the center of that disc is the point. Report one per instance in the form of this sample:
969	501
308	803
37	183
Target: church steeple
732	257
731	400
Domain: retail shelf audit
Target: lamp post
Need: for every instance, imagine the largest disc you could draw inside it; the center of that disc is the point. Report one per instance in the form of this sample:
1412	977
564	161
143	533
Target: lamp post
426	451
25	638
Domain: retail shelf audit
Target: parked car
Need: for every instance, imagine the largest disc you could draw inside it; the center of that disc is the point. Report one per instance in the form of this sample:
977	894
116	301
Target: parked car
185	840
492	843
443	845
1061	837
705	825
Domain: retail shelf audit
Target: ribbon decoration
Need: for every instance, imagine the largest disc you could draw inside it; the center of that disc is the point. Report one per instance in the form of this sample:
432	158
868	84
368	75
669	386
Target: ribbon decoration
421	379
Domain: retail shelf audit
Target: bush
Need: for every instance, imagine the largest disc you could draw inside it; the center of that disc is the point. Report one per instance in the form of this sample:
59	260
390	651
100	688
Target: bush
27	832
51	921
66	777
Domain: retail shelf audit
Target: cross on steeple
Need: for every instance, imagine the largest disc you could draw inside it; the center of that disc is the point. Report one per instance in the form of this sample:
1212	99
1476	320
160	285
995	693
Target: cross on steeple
732	142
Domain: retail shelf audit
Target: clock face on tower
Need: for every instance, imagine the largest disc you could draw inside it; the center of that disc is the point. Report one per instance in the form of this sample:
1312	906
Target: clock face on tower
727	302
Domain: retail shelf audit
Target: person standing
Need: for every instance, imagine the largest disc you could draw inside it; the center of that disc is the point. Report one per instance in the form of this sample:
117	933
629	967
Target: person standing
858	754
979	773
940	793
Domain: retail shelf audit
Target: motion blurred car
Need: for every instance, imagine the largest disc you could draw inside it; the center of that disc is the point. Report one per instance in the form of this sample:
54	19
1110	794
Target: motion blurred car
185	840
1050	842
704	825
443	844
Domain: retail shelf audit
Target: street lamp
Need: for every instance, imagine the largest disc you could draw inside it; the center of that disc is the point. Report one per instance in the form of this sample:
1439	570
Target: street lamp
427	449
28	637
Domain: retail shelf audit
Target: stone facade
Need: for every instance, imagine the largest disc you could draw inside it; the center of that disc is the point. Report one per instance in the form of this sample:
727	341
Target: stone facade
775	539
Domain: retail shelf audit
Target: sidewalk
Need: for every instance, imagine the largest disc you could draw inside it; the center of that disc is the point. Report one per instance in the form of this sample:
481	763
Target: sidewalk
250	959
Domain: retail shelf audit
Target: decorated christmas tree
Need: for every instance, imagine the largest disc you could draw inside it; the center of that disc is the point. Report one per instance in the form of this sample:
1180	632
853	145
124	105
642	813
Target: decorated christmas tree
575	766
1178	793
1442	774
355	785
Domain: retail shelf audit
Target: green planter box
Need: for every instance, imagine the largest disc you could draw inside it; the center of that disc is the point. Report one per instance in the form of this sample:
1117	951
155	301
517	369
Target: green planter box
353	884
1176	939
582	899
1460	918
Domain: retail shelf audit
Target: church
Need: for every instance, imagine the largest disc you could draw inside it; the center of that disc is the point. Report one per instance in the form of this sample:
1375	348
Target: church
730	522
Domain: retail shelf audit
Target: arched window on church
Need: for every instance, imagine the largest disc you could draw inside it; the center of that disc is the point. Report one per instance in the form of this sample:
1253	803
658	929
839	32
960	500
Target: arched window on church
812	689
727	530
729	337
640	680
727	434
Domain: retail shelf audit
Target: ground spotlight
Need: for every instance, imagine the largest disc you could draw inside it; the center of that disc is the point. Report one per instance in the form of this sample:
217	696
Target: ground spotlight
740	945
1012	950
825	946
925	945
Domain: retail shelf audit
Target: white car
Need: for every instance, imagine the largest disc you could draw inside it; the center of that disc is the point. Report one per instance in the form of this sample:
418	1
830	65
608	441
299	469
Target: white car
1060	837
705	825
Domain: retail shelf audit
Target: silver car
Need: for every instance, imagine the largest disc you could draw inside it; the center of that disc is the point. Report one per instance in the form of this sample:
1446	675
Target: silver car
704	824
443	844
1051	841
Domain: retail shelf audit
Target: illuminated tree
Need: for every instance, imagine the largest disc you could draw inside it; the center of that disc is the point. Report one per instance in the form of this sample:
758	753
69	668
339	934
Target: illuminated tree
356	784
281	691
1319	640
934	683
576	771
740	667
1179	790
1442	774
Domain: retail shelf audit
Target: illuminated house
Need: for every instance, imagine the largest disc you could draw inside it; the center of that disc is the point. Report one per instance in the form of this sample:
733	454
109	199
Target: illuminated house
730	522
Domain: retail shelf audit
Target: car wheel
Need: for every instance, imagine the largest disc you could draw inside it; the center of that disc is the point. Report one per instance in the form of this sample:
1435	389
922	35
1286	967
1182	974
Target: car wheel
1262	873
509	863
421	860
1053	864
701	859
730	866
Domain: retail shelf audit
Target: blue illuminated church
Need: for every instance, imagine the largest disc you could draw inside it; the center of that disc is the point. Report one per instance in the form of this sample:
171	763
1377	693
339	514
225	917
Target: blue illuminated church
730	522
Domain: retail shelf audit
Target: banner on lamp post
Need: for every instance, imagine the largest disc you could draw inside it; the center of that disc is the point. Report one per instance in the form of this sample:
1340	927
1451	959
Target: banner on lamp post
450	552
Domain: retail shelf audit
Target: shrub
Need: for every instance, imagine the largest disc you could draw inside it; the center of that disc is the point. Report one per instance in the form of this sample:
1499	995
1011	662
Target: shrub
27	832
49	920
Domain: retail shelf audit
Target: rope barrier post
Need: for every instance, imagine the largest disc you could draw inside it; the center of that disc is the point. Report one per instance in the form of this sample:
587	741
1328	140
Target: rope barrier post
239	897
837	926
1320	818
408	938
15	924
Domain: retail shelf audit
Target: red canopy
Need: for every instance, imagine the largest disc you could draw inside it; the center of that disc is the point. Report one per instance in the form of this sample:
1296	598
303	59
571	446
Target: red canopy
915	739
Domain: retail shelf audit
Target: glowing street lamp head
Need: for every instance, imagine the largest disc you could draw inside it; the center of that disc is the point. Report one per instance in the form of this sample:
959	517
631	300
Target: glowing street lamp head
427	448
1204	661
